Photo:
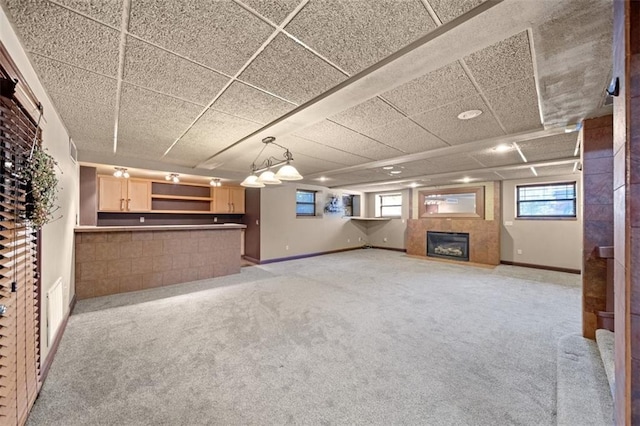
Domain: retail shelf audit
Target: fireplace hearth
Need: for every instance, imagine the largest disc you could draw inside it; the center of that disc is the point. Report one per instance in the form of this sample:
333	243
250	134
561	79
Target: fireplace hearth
448	245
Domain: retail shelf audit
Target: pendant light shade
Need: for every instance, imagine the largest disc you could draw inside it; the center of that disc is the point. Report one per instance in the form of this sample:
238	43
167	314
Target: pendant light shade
252	182
288	172
269	178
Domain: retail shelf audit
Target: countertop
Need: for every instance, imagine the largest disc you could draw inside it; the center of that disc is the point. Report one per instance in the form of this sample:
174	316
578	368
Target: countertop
222	226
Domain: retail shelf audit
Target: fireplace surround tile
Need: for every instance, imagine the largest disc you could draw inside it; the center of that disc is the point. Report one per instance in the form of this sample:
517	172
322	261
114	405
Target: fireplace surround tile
484	235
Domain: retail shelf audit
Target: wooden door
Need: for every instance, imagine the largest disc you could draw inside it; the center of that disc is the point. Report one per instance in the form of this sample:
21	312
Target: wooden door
19	286
221	201
236	198
138	195
112	194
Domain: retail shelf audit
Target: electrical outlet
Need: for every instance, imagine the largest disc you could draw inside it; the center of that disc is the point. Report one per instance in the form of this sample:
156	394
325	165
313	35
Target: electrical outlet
519	251
384	239
286	247
348	240
141	219
359	238
215	220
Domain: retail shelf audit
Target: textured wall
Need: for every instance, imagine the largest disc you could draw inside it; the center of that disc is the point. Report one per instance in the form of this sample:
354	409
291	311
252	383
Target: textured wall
118	262
484	235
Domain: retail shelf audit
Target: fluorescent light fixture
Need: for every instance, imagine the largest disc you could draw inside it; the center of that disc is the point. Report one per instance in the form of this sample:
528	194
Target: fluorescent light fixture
533	169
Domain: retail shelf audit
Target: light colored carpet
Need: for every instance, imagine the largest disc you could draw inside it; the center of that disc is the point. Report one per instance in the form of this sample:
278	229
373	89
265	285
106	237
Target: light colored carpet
606	347
361	337
584	397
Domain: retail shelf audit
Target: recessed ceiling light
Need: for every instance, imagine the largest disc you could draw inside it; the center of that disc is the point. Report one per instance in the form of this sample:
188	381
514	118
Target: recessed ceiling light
502	148
387	168
322	179
395	172
468	115
466	179
413	185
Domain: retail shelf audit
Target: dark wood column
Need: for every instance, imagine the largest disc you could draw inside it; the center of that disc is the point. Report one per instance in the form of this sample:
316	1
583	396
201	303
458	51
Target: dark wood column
626	42
597	176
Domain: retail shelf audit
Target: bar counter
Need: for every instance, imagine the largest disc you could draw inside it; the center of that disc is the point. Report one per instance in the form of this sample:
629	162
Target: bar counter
119	259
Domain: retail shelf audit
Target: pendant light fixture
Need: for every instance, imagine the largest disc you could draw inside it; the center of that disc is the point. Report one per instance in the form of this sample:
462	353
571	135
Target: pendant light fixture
267	176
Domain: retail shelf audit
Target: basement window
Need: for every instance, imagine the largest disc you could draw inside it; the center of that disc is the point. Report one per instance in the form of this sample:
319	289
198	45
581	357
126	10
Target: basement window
546	201
305	203
389	205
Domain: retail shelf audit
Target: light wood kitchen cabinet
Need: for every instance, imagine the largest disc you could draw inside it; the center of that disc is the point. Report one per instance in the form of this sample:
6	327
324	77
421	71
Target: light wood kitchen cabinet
227	199
123	195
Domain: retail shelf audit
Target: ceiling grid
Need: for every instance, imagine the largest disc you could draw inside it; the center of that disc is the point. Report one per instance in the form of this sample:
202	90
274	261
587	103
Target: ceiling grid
179	83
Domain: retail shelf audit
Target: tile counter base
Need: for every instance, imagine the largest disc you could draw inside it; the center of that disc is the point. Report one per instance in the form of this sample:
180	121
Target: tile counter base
118	262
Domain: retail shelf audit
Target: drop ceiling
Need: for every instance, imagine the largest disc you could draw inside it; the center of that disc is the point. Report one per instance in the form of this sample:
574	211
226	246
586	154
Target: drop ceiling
349	86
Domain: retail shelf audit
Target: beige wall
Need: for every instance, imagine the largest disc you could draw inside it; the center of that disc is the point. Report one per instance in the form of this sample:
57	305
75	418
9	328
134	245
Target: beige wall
282	234
556	243
57	237
391	233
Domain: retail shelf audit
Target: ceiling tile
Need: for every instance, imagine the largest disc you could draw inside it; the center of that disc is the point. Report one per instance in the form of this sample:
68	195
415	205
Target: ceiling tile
432	90
547	171
356	34
274	10
150	122
516	106
447	163
502	63
492	158
564	169
444	122
307	165
219	34
406	136
55	32
320	151
90	124
159	70
107	11
450	9
252	104
515	174
287	69
337	136
75	82
367	115
550	148
213	132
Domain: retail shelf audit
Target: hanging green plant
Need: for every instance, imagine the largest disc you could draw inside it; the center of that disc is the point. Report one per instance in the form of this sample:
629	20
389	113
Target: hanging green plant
42	182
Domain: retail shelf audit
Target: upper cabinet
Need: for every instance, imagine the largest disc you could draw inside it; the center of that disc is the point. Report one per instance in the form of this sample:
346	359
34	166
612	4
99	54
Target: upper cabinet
142	195
228	199
123	195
